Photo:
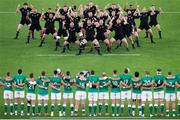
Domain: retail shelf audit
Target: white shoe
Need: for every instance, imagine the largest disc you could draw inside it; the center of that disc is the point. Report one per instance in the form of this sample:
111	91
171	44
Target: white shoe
16	113
52	114
22	113
64	113
33	114
167	115
94	115
117	115
5	113
60	113
151	115
133	113
28	114
72	113
89	115
113	115
174	115
11	113
142	115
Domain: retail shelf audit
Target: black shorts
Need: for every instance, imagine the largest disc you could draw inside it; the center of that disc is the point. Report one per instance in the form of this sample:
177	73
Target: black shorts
146	27
128	32
35	27
100	37
62	33
90	38
48	31
25	21
71	39
119	37
78	29
153	24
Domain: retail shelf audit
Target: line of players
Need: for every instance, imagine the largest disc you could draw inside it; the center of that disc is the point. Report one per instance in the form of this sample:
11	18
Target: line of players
156	90
90	24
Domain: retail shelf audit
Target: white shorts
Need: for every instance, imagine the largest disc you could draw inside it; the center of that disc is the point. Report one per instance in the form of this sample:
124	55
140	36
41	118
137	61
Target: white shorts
136	96
146	95
115	95
31	96
103	96
126	95
8	94
178	95
19	94
92	96
43	97
55	96
80	95
159	95
170	96
68	95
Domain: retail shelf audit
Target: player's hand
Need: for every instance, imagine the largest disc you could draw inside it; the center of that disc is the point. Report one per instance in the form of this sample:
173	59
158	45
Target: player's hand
18	6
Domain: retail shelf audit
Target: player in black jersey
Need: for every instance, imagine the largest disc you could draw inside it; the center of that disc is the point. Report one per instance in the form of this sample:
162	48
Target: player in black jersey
89	28
118	27
35	23
153	19
50	29
113	8
25	11
144	17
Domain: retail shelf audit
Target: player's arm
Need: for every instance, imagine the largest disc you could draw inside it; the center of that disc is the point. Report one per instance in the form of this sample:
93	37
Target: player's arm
161	11
53	87
18	8
177	85
172	86
1	82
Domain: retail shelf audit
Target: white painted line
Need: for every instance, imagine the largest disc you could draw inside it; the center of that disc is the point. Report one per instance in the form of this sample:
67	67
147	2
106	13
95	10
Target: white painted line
7	12
72	55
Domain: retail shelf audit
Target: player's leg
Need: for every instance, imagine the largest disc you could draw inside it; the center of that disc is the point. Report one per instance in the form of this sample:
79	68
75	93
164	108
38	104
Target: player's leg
124	41
71	103
122	101
167	97
39	104
22	102
57	41
156	102
117	103
95	97
43	39
112	40
20	26
77	102
28	97
5	102
16	97
136	35
29	34
53	96
128	96
90	97
139	104
178	98
96	46
113	100
151	35
33	103
45	98
106	99
66	43
100	103
158	27
108	46
149	94
134	98
173	99
161	99
81	43
58	98
143	98
131	41
83	103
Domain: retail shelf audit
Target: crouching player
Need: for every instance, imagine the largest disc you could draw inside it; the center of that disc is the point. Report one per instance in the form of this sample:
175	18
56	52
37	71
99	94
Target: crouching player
93	82
115	93
147	83
19	82
159	80
178	92
68	93
43	84
103	93
55	83
80	93
136	93
8	93
170	93
31	96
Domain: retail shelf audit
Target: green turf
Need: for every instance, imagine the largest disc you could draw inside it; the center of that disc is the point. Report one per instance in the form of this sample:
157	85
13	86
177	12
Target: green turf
16	54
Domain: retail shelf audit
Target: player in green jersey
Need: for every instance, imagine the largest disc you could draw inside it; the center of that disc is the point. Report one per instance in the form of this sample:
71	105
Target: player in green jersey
43	85
126	90
136	93
103	93
55	84
80	95
19	82
159	80
170	93
93	83
115	93
178	91
147	83
31	94
68	92
8	93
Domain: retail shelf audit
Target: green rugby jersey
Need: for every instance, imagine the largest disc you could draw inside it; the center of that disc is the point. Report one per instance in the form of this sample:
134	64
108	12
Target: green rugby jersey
81	83
146	80
159	80
172	82
8	84
42	91
126	78
31	86
178	81
103	84
115	82
19	79
55	81
136	88
91	80
68	81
